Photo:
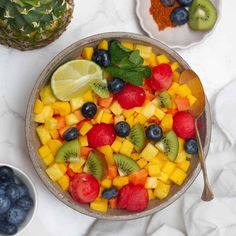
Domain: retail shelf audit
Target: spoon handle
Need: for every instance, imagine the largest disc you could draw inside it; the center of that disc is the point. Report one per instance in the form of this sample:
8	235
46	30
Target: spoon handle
207	194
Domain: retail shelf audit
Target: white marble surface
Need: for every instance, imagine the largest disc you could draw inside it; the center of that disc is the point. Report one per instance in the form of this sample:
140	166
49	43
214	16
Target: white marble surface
214	61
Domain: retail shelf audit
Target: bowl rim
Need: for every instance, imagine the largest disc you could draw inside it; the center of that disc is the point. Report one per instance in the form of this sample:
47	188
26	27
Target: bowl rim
28	131
35	208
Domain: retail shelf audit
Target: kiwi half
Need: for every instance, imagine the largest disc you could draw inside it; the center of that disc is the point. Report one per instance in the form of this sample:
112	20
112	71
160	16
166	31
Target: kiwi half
164	100
169	145
100	88
202	15
69	152
125	164
96	165
137	137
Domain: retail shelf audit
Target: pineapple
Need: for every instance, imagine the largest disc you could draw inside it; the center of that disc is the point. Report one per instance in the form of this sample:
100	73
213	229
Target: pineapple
31	24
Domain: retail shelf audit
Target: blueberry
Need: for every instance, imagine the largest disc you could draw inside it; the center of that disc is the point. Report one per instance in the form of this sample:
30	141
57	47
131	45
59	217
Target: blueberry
122	129
25	203
116	85
109	193
154	133
168	3
2	217
70	134
89	109
6	174
190	146
179	16
185	3
7	229
16	215
101	57
13	192
24	191
5	204
2	189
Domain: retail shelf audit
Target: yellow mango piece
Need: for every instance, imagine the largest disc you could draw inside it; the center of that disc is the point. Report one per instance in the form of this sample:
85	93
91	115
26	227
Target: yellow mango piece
83	141
159	113
38	106
151	194
174	88
76	103
61	108
167	122
71	119
118	119
154	170
151	183
135	156
120	181
163	177
145	51
128	113
116	108
116	145
126	147
43	134
181	157
98	116
142	163
140	119
77	166
128	45
153	60
54	134
54	145
184	165
162	190
88	53
46	95
184	91
149	152
48	160
85	128
44	151
130	121
107	118
99	205
106	183
51	123
47	112
174	66
106	150
54	172
161	59
64	182
63	167
88	96
168	168
110	160
178	176
176	76
149	110
103	45
191	99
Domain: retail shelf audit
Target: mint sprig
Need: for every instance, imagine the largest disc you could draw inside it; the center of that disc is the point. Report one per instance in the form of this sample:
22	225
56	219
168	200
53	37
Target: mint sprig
127	65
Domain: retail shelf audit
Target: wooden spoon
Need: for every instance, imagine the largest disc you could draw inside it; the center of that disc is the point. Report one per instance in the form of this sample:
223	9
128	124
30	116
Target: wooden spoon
192	80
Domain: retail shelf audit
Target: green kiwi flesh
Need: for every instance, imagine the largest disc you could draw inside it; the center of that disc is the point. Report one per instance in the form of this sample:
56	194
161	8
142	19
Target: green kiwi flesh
125	164
164	99
202	15
68	152
100	88
137	137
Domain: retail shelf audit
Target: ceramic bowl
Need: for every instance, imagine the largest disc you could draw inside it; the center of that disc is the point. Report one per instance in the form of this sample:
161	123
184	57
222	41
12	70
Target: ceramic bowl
23	177
33	143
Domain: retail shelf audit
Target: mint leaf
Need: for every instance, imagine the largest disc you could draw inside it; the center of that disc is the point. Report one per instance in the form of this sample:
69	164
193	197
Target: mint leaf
136	58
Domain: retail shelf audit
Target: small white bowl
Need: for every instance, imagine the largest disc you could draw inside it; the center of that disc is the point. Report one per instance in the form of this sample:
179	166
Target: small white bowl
178	37
20	175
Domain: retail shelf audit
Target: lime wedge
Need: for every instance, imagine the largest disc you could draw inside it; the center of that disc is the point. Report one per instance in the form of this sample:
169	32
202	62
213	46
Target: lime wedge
73	78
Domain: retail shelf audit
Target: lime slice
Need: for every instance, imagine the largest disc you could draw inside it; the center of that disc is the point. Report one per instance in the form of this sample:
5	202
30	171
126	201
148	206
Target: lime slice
73	79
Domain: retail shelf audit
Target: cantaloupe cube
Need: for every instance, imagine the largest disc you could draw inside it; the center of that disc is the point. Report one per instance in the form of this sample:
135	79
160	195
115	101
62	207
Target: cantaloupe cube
38	106
154	170
151	183
88	53
99	205
47	112
85	128
178	176
128	45
169	167
149	152
126	147
162	190
76	103
55	172
116	145
46	95
103	45
107	118
64	182
83	141
106	183
159	113
54	145
142	163
145	51
120	181
184	165
116	108
161	59
61	108
43	134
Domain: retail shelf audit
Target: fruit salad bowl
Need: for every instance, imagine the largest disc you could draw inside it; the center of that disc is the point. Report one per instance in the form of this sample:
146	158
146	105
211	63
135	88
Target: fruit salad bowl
33	142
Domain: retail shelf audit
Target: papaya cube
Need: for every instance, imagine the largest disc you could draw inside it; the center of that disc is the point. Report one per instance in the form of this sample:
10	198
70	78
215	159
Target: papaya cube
142	163
116	145
71	119
88	53
149	110
151	183
46	95
83	141
126	147
174	66
191	99
154	170
38	106
85	128
47	112
88	96
169	167
99	205
51	123
106	150
64	182
106	183
77	166
54	172
76	103
98	116
128	45
178	176
151	194
167	122
120	181
176	76
162	190
145	51
48	160
103	45
107	118
44	151
184	90
149	152
54	145
43	134
116	108
159	113
174	88
182	103
161	59
184	165
61	108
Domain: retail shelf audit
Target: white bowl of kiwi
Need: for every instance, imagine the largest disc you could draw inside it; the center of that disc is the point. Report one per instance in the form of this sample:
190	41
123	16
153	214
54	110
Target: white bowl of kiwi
201	18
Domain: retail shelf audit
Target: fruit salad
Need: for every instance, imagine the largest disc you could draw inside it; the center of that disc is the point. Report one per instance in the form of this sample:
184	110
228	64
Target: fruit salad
114	126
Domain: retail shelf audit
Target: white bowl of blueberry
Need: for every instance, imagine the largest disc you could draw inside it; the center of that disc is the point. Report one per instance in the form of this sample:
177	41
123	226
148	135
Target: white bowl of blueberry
17	200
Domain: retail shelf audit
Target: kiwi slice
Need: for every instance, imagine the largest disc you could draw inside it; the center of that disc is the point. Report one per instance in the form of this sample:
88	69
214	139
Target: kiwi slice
125	164
164	100
69	152
96	165
202	15
100	88
137	137
169	145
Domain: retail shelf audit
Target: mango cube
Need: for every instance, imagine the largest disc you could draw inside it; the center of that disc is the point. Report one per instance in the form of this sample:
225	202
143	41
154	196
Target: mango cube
184	165
168	168
135	156
103	45
126	147
43	134
116	108
54	134
140	119
162	190
159	113
174	88
142	163
107	118
54	145
77	166
85	128
118	119
120	181
48	160
151	183
149	110
47	112
38	106
167	122
181	157
174	66
154	170
44	151
46	95
51	123
99	205
88	96
55	172
88	53
83	141
184	91
98	116
64	182
191	99
61	108
157	161
71	119
76	103
106	150
149	152
145	51
153	59
106	183
178	176
128	45
163	177
162	59
151	194
176	76
128	113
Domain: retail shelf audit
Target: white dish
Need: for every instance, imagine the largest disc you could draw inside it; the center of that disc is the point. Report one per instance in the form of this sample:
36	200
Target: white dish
33	194
178	37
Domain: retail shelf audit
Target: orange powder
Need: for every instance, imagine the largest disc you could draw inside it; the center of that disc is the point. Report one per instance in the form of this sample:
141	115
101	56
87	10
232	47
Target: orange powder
161	14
